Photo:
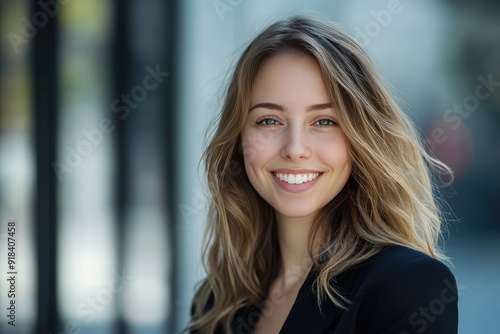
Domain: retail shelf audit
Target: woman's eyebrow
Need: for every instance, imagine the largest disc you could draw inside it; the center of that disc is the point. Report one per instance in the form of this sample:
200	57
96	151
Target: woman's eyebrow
320	106
267	105
279	107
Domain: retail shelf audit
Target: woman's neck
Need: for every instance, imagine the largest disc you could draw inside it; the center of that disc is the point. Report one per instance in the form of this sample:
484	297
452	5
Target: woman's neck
293	236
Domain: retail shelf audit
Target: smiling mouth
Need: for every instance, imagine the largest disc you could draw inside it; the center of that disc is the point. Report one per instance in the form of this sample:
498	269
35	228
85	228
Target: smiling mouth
297	178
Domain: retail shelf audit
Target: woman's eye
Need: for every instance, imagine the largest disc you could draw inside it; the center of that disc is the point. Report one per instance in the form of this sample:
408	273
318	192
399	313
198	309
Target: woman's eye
268	121
326	122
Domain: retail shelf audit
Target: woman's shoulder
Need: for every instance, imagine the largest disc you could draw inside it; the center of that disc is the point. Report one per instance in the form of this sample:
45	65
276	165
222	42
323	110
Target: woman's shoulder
399	265
394	259
408	288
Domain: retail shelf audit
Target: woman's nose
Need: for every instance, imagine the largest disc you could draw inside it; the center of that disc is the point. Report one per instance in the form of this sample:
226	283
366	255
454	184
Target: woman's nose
295	145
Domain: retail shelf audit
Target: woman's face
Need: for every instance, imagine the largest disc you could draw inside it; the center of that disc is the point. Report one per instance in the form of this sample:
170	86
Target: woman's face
295	153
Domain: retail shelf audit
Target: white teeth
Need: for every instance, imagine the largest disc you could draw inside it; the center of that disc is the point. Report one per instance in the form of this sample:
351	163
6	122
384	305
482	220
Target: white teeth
296	178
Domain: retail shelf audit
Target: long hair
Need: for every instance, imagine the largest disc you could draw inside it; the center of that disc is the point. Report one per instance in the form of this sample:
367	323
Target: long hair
389	198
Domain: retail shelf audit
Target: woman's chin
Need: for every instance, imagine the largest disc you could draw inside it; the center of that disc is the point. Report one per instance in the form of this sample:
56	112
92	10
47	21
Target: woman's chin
295	213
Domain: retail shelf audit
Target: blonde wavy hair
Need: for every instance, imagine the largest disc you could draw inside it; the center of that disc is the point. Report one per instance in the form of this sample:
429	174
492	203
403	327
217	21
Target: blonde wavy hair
389	198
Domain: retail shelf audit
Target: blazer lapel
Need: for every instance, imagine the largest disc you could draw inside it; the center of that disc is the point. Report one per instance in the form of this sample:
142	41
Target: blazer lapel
305	315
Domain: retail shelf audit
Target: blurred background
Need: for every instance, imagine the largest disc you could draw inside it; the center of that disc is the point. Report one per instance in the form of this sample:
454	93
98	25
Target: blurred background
104	106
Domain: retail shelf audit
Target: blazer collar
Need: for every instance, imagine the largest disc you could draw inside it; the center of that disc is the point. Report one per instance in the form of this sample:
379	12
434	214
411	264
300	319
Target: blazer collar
305	308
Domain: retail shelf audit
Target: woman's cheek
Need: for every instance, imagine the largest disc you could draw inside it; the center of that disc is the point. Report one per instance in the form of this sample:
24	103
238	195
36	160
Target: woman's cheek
257	143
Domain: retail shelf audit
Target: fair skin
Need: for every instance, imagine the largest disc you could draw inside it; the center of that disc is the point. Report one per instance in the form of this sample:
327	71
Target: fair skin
296	157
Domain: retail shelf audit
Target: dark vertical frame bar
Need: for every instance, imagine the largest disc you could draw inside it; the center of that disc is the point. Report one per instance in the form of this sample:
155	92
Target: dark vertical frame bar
120	78
45	83
123	68
171	147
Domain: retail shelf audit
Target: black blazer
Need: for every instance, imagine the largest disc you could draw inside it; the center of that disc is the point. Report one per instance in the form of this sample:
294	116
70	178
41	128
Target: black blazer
398	291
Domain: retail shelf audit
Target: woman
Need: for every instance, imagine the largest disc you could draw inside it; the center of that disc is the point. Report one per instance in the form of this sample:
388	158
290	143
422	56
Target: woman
323	218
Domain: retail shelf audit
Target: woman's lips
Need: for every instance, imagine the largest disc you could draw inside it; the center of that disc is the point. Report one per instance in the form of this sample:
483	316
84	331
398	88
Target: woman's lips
312	178
293	178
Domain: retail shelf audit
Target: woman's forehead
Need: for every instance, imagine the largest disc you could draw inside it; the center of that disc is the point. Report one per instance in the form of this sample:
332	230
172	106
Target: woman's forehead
289	78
